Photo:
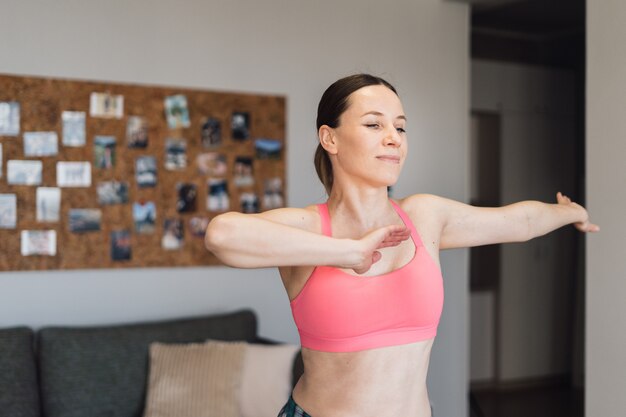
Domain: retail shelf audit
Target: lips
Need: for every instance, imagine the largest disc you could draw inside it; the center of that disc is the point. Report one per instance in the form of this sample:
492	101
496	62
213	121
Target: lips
389	158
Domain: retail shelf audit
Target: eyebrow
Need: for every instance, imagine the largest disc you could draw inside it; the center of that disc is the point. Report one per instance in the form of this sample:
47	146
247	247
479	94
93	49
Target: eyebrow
377	113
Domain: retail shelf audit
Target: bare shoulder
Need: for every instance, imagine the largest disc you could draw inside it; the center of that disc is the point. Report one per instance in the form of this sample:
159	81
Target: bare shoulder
425	211
306	218
422	205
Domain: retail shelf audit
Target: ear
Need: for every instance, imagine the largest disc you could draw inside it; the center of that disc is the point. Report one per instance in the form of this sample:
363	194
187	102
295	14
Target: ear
328	139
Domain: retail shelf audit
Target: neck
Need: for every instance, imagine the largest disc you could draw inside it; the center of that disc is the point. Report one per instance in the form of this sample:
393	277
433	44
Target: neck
365	208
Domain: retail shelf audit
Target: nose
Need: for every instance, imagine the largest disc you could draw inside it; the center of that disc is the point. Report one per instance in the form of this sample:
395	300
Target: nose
393	138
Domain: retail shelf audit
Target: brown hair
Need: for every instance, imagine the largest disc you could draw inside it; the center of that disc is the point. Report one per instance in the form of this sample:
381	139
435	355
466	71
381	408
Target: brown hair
332	105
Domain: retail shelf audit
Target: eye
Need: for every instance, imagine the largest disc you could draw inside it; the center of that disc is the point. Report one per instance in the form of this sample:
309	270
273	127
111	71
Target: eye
400	130
372	125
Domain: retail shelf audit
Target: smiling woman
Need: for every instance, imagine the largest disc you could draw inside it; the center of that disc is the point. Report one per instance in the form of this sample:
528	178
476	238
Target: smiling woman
362	271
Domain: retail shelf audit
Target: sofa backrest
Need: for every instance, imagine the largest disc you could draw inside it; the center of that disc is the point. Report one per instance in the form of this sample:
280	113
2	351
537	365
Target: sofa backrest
18	374
103	371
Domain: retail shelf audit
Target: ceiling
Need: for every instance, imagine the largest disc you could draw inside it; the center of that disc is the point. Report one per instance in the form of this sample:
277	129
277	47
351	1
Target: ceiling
543	32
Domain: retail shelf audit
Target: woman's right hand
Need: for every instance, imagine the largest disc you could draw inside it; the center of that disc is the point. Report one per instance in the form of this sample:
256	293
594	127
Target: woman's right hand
367	247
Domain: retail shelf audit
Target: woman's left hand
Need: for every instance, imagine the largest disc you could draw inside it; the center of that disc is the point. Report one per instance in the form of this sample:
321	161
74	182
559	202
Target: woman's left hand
583	226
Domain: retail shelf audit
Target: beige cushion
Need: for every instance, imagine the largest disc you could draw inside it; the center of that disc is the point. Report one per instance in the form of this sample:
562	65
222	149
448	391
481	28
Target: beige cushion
266	381
195	380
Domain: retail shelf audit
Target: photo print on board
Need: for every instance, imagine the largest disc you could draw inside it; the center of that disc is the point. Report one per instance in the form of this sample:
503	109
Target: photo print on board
217	195
112	192
268	148
9	118
73	174
173	234
243	172
211	133
249	203
48	204
120	245
38	242
273	193
85	220
240	125
176	112
187	194
144	217
106	105
104	152
212	163
8	211
198	225
40	144
175	154
73	128
146	171
20	172
136	132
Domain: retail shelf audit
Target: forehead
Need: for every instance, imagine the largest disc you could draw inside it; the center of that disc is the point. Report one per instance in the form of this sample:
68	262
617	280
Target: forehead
374	98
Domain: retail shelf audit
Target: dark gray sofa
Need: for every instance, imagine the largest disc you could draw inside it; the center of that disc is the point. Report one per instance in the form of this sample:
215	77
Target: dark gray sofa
99	371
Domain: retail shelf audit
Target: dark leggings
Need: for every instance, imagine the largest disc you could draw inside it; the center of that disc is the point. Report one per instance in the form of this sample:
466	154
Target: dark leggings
291	409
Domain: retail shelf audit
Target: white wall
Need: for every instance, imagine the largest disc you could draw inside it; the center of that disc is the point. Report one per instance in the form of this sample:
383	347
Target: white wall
290	47
606	199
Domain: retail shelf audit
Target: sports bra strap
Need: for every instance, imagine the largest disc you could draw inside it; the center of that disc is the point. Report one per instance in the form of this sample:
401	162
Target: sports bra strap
408	223
325	219
327	231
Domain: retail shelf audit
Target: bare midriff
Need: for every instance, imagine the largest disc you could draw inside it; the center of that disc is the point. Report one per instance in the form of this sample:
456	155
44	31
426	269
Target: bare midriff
382	382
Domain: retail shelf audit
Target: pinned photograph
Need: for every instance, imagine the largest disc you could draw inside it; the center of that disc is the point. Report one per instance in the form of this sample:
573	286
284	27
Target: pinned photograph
40	144
249	203
9	118
104	151
240	125
21	172
112	192
176	112
186	197
136	132
85	220
144	217
106	105
146	171
243	172
217	195
38	242
73	174
48	204
120	245
273	193
211	133
175	154
8	211
268	148
212	163
1	161
198	225
73	128
173	234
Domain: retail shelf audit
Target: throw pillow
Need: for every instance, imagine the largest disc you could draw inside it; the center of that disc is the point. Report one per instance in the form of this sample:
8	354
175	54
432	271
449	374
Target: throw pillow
266	380
195	380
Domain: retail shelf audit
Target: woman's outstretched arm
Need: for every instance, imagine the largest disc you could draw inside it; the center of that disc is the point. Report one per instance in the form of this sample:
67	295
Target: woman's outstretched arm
283	237
466	226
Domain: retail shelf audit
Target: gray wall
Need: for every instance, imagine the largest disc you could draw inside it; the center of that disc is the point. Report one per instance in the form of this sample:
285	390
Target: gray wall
537	137
290	47
606	200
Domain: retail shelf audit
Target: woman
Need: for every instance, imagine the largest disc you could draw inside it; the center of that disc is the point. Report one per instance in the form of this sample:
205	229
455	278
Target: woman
362	271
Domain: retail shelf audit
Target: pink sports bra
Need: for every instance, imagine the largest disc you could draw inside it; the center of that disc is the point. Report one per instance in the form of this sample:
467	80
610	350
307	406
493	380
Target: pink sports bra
339	312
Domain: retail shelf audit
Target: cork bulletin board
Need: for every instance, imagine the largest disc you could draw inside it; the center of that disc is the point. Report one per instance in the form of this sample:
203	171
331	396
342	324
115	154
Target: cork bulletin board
109	175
